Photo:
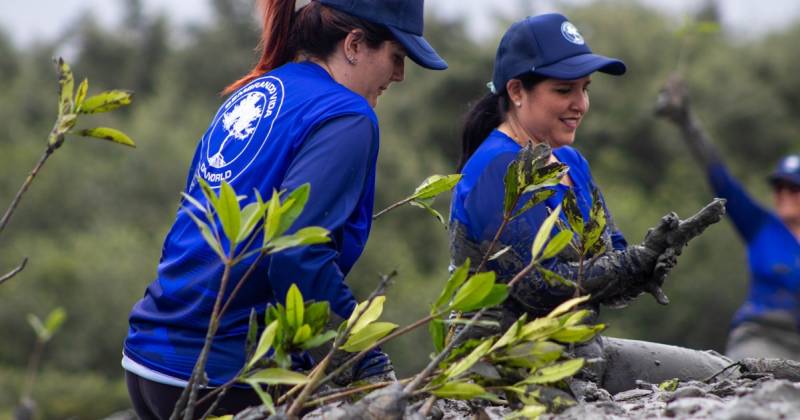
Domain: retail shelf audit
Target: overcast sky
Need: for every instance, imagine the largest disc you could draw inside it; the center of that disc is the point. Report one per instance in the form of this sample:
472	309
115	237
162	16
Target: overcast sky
30	20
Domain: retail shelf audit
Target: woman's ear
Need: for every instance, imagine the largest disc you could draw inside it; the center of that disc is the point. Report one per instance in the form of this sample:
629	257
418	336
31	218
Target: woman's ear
514	89
354	44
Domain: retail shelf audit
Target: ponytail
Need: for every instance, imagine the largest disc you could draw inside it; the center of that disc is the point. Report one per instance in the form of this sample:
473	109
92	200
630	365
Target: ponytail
486	115
277	18
313	31
483	117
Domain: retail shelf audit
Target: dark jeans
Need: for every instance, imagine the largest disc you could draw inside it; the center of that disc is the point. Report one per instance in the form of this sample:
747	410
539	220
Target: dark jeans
155	401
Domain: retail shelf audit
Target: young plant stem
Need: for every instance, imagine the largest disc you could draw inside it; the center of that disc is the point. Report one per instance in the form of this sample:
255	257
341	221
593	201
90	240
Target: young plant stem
428	406
214	405
579	280
297	405
411	387
319	370
485	259
392	207
33	368
24	188
337	395
14	272
193	387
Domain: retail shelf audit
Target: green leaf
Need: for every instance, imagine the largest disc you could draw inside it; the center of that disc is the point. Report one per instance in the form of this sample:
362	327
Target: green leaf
573	212
459	391
669	385
496	296
544	233
317	314
273	215
435	185
295	307
368	315
196	203
567	306
554	373
105	133
437	330
577	334
573	318
66	123
306	236
66	82
229	213
597	224
208	192
266	399
530	355
293	207
530	411
425	205
539	328
252	334
277	376
474	291
251	215
536	198
106	101
264	343
38	327
318	340
302	335
55	320
80	95
368	336
464	364
454	282
205	231
511	335
554	279
557	244
512	189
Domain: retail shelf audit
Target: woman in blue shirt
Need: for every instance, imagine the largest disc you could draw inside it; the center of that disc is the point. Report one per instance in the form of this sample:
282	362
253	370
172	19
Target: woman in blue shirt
768	323
539	94
302	115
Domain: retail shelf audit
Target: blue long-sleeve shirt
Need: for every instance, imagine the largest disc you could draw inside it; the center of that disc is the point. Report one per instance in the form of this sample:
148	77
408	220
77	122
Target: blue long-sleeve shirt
294	125
773	252
477	211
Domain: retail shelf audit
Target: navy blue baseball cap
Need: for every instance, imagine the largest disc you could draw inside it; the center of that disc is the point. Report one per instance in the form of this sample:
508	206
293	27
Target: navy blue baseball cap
788	170
404	18
548	45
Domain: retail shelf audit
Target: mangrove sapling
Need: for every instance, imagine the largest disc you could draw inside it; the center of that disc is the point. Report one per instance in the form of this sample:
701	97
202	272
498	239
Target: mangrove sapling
71	105
44	333
240	226
425	194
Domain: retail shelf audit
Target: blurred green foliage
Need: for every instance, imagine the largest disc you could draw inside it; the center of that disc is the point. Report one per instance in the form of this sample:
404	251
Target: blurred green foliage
94	222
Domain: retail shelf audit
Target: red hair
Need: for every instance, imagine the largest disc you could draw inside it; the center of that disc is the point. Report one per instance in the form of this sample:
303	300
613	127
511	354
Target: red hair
315	30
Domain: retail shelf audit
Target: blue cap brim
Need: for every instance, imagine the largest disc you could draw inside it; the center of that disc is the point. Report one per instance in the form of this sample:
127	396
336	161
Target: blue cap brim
419	50
780	177
582	65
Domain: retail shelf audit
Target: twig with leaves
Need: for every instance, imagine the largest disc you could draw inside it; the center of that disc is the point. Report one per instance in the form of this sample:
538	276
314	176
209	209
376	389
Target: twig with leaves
71	104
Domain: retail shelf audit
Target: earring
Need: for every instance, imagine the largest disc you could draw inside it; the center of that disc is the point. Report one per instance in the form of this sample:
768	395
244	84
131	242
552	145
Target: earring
518	104
351	60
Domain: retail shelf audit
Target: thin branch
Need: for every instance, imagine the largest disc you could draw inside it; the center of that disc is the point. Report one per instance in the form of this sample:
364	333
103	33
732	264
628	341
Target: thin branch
14	272
392	207
24	188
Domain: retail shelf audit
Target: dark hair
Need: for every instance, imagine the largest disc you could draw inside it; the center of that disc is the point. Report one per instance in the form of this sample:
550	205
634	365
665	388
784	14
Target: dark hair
486	114
314	30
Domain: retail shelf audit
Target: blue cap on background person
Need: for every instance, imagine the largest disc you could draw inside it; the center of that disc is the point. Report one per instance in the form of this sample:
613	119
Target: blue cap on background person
404	18
788	170
547	45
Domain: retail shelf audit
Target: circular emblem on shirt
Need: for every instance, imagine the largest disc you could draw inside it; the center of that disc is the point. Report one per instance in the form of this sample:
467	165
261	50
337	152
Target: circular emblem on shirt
240	130
571	33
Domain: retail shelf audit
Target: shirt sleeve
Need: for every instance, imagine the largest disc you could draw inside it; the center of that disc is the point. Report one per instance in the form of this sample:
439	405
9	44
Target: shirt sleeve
747	215
338	160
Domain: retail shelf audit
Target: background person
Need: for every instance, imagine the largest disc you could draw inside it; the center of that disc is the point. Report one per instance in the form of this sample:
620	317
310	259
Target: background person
541	80
302	115
768	323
